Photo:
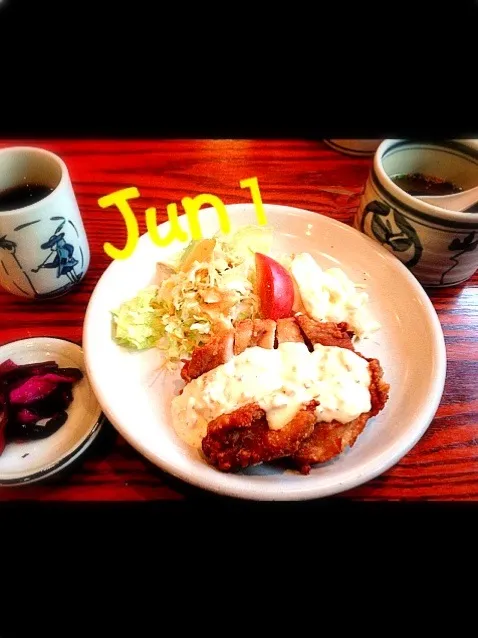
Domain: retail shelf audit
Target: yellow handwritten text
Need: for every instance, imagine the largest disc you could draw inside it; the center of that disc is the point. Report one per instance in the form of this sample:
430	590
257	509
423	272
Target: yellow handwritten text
192	206
120	200
253	184
175	232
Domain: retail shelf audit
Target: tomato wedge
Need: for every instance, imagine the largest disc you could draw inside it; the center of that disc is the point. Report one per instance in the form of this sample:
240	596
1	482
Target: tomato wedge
275	288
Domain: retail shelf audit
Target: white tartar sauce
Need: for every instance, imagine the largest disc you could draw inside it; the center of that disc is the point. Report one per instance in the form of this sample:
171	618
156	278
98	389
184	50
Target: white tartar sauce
280	380
329	295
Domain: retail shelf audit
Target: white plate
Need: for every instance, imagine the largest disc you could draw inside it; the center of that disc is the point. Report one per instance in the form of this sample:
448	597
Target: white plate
32	461
410	347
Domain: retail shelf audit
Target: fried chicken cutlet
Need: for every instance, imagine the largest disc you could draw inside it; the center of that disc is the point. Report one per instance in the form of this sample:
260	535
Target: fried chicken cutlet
328	440
227	343
326	333
244	437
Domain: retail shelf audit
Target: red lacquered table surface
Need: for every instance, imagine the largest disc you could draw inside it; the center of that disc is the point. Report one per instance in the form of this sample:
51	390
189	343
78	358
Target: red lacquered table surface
307	174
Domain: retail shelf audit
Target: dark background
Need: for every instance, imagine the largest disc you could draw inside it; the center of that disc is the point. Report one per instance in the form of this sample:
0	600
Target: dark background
137	68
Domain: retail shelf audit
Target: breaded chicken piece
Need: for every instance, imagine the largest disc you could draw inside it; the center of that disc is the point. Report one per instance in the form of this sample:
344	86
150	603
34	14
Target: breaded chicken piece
223	346
326	333
242	335
288	331
330	439
263	333
257	332
219	350
243	437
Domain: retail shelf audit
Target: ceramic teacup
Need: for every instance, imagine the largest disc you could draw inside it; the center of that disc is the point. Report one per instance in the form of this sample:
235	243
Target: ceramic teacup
440	247
44	250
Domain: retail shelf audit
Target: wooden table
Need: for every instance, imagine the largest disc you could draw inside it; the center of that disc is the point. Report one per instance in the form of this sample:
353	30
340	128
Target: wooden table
307	174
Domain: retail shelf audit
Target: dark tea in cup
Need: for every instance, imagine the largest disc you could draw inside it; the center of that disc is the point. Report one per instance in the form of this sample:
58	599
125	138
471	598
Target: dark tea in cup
417	184
22	195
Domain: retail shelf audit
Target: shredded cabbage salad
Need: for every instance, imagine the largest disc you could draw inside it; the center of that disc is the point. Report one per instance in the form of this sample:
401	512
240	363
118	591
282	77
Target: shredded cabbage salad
209	286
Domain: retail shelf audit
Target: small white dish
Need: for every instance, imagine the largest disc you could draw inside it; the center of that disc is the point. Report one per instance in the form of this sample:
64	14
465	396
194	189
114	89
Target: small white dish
410	345
31	461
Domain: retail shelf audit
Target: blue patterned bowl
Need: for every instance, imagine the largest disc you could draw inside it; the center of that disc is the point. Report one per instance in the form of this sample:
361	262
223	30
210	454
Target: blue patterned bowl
440	247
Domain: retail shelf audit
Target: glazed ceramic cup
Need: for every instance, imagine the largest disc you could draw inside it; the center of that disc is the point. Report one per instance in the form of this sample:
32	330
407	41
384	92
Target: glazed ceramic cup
44	250
437	245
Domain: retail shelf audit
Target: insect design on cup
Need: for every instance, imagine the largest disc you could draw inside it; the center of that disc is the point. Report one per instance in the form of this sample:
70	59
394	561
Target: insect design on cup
60	255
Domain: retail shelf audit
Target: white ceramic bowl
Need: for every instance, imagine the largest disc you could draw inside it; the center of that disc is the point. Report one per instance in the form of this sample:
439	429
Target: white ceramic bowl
410	345
31	461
